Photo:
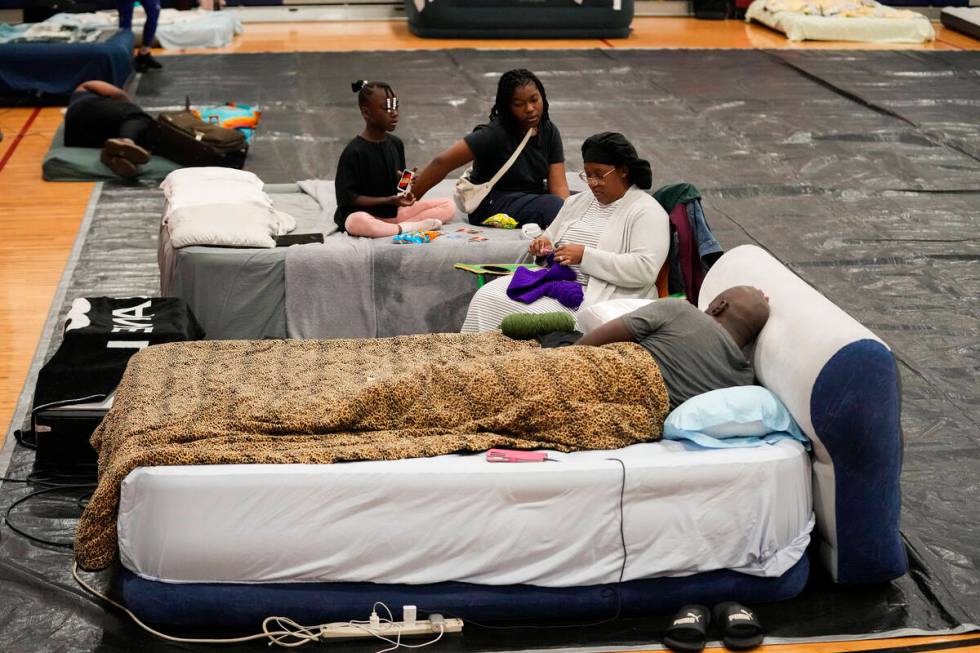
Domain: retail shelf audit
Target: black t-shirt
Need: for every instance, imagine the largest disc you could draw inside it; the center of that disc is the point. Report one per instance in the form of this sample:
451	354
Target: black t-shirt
492	145
371	170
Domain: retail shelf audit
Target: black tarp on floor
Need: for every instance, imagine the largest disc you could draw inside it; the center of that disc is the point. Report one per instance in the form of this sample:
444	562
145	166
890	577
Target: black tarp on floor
859	170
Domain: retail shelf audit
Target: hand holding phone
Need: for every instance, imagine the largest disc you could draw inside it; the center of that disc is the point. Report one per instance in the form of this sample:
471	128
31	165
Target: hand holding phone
405	182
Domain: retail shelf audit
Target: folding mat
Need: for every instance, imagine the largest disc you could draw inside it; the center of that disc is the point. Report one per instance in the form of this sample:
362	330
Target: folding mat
859	170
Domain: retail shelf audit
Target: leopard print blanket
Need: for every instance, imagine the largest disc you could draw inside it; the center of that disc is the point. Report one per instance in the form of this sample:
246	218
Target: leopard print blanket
326	401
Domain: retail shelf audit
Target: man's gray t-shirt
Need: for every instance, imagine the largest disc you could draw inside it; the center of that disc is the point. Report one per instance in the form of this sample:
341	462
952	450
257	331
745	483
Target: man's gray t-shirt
694	352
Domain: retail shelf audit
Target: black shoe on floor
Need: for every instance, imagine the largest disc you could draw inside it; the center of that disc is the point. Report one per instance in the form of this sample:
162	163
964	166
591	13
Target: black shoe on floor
127	149
145	62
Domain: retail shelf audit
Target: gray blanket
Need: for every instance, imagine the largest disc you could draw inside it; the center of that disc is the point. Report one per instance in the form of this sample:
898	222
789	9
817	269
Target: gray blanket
361	288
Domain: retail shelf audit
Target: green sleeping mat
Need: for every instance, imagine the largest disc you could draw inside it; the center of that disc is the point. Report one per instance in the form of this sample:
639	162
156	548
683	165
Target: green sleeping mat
63	163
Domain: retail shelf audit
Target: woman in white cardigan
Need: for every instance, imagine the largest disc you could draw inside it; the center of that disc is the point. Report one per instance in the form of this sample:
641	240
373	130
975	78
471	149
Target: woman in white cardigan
615	238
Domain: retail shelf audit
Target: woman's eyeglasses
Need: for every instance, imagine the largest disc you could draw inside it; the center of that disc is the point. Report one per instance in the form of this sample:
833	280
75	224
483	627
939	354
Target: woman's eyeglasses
595	181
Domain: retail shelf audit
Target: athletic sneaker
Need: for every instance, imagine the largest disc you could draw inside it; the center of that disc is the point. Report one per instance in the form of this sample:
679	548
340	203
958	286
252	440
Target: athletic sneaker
144	62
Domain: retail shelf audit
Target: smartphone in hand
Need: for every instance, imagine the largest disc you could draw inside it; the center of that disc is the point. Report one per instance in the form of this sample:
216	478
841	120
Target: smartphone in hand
405	183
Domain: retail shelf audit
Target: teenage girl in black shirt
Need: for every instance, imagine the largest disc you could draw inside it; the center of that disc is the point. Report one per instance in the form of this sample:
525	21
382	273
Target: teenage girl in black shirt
368	172
535	187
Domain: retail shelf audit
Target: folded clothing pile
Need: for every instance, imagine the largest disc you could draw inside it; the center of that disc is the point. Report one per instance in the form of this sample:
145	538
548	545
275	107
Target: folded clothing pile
221	207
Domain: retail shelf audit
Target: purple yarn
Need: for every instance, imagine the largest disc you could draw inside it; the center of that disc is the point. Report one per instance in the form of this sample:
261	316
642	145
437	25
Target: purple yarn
556	281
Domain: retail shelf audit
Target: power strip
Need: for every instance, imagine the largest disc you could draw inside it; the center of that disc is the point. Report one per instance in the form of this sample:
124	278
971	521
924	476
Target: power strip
391	629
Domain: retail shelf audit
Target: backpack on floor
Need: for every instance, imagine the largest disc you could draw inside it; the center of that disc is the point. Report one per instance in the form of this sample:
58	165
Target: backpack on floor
184	138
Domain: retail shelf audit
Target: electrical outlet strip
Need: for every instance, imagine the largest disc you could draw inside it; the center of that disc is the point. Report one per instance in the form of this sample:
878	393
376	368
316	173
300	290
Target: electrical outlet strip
390	630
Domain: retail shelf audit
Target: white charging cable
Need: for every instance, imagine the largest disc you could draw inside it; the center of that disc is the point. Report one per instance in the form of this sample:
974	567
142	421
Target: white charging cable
286	632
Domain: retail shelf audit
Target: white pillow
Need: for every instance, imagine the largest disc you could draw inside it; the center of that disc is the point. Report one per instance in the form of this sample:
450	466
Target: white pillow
228	225
216	192
204	176
593	316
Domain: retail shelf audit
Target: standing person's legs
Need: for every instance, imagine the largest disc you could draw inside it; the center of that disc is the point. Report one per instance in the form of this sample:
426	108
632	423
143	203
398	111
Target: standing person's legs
125	9
442	209
526	208
144	61
152	8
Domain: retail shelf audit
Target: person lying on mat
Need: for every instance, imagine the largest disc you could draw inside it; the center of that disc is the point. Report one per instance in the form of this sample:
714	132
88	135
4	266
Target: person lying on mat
533	188
101	115
614	239
697	352
368	200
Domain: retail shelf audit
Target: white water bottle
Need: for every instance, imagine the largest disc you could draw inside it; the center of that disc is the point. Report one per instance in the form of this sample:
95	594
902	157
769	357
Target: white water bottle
531	231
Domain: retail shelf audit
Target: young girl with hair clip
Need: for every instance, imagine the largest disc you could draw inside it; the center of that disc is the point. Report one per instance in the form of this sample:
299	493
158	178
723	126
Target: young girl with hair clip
368	203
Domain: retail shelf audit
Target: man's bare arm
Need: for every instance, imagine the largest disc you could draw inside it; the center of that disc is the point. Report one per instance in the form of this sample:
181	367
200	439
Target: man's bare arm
612	331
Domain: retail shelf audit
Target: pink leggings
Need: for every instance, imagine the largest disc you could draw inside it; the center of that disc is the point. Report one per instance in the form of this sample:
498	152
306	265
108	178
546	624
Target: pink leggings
362	223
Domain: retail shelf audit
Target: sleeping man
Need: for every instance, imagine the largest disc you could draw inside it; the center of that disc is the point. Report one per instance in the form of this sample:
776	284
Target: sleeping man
696	352
327	401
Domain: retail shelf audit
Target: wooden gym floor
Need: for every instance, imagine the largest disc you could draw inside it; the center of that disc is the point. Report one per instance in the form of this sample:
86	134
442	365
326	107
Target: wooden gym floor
39	220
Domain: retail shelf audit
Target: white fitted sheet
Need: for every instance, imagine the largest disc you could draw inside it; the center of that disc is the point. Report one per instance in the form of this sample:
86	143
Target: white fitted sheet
460	518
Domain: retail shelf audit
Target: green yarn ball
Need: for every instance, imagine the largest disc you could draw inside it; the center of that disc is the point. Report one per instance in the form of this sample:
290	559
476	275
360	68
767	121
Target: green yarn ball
525	326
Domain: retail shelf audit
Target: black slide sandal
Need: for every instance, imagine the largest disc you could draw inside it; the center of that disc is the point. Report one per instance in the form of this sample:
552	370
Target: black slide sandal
739	626
688	630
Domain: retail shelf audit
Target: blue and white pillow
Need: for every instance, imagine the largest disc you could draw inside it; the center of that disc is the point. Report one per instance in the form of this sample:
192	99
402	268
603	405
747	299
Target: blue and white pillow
743	416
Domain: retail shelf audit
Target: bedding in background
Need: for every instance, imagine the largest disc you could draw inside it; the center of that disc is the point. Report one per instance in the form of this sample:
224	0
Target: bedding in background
841	20
50	33
324	401
196	28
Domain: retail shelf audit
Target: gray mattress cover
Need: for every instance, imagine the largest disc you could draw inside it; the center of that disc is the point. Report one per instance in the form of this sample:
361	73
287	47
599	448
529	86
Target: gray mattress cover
237	293
345	287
